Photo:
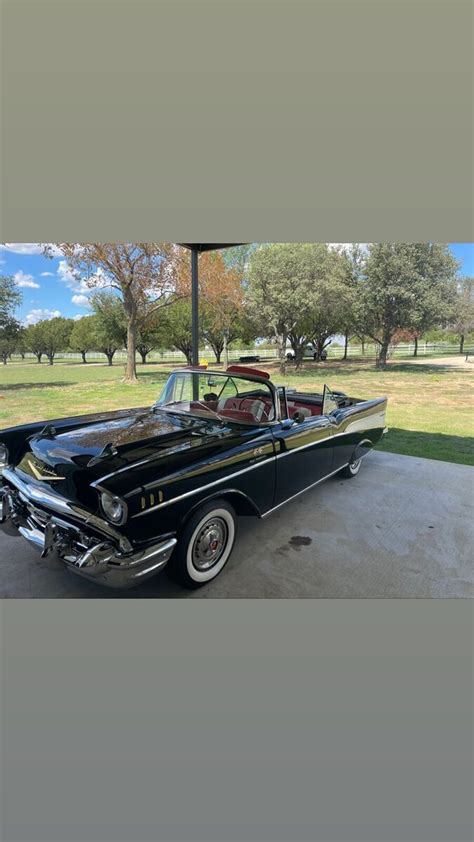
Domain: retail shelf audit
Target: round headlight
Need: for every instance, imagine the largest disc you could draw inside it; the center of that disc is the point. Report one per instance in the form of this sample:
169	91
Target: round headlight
113	508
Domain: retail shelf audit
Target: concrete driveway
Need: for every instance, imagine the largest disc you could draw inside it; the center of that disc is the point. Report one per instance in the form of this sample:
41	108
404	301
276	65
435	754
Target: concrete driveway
402	528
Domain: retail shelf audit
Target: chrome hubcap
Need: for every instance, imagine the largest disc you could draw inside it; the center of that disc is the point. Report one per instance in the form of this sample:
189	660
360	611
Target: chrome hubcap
354	465
209	543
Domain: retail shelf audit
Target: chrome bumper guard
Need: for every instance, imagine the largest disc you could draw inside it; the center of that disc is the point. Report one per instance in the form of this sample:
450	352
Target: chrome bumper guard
106	557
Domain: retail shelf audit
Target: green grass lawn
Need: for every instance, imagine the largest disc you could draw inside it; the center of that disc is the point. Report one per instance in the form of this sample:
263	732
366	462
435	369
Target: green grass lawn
430	409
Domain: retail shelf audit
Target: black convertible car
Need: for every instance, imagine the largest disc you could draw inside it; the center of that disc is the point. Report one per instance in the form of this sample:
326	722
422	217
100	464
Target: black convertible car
119	495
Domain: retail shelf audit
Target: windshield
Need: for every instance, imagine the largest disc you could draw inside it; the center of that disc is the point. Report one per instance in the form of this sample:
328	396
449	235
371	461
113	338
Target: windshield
227	397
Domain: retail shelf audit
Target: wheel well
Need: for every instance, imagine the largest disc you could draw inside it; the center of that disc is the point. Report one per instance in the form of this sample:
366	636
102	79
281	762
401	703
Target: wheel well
238	500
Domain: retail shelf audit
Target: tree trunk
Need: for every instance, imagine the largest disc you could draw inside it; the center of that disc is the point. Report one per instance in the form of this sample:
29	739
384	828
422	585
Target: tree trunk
299	354
225	351
217	356
461	343
83	354
50	359
319	349
22	355
144	355
281	345
4	358
362	346
39	356
110	356
382	357
415	349
346	342
131	366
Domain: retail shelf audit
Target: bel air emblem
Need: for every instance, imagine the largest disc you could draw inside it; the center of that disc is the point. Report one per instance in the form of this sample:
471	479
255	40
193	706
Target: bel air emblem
43	477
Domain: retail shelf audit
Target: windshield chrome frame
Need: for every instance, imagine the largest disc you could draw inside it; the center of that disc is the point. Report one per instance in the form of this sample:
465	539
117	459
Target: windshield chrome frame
234	376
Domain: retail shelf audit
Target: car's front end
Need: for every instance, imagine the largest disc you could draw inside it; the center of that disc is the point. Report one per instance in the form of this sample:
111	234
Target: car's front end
88	544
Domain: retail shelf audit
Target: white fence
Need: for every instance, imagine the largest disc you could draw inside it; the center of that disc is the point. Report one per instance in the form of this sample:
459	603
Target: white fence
334	352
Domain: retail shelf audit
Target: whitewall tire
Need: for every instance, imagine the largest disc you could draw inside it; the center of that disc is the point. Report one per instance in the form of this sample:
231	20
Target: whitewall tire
352	469
205	544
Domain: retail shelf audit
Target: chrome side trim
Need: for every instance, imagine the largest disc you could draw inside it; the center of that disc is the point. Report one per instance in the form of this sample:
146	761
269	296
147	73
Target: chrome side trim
238	473
304	489
203	487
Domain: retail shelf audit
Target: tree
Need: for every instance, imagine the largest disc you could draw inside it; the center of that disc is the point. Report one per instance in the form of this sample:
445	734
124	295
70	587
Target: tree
149	335
295	292
110	324
83	336
10	298
222	298
177	327
353	312
279	286
56	333
34	340
463	317
143	275
9	337
20	344
406	285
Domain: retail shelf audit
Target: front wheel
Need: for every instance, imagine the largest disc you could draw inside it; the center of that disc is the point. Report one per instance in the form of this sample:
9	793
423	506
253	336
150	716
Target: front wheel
205	545
352	469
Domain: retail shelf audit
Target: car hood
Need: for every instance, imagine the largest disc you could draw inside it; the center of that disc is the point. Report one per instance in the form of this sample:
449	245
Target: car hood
134	435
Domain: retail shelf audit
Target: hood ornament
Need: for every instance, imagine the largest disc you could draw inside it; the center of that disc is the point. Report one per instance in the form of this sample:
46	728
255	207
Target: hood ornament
108	451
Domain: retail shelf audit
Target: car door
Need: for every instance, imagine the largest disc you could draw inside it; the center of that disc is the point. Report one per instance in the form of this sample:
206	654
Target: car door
304	455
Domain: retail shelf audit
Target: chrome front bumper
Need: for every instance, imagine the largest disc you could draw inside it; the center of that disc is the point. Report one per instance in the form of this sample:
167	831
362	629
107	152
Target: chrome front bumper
88	545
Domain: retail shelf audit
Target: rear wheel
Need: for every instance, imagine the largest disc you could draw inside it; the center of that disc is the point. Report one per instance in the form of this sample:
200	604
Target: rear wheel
205	545
352	469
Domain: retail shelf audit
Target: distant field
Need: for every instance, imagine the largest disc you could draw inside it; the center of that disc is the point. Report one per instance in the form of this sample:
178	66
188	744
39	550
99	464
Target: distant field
430	411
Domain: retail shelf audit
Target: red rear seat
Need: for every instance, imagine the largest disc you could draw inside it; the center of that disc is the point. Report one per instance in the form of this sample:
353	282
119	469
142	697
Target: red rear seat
293	406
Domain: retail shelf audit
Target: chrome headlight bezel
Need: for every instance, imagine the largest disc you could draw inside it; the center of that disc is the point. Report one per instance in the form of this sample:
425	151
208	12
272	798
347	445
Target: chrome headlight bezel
114	509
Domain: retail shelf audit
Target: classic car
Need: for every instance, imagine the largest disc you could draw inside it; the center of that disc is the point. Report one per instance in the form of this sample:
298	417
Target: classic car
119	495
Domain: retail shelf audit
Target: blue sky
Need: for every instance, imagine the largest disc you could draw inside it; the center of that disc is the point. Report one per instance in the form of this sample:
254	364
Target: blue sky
49	289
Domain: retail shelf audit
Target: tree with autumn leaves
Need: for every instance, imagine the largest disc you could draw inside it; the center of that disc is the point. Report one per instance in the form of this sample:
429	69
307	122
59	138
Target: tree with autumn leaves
221	301
145	276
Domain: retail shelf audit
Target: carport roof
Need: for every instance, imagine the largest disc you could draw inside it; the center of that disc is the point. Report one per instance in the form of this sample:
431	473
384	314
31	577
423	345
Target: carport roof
209	246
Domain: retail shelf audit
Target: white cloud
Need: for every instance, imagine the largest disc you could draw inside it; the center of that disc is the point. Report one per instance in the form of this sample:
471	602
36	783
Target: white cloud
68	276
78	283
22	248
23	280
47	274
39	315
81	300
30	248
78	317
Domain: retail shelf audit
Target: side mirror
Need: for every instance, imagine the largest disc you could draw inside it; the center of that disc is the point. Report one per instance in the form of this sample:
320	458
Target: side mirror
299	417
